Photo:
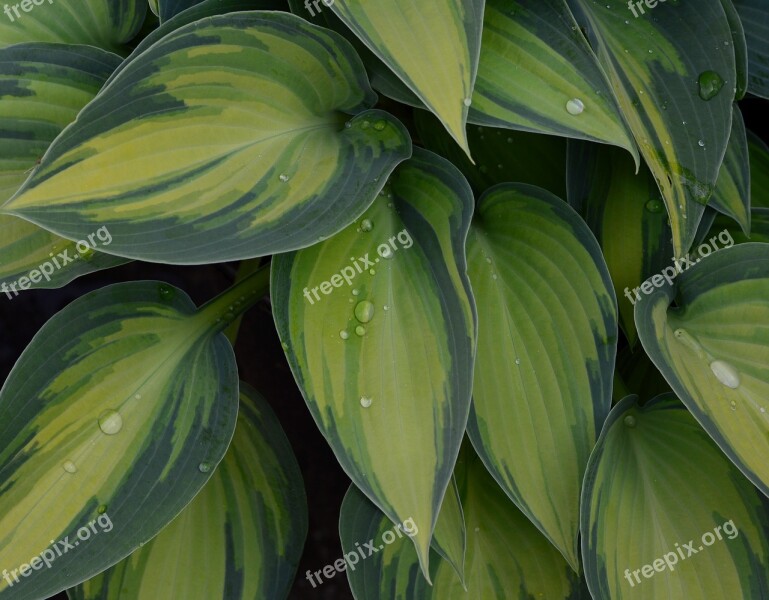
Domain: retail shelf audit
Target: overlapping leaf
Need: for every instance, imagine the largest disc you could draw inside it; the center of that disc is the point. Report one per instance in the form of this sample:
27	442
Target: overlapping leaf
673	70
755	20
232	127
379	328
538	73
546	347
42	88
626	213
759	171
713	348
666	516
506	556
442	72
107	24
240	538
732	193
122	405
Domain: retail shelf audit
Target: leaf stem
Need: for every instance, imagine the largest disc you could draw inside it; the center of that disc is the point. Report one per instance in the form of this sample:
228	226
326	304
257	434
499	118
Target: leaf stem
220	312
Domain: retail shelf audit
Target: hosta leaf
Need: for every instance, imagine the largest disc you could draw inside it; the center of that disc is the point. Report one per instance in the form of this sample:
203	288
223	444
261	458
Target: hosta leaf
538	73
506	556
626	213
662	64
546	347
755	20
732	194
442	72
247	526
759	227
666	516
279	169
168	9
713	348
450	536
740	48
42	88
107	24
385	363
122	404
500	155
759	171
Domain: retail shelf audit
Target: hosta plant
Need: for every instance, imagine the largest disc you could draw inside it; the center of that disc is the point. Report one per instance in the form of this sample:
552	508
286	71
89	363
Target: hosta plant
515	253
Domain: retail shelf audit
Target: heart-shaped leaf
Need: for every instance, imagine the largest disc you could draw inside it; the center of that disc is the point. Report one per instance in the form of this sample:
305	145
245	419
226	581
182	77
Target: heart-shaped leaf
247	526
713	348
755	20
732	194
665	515
442	72
123	404
675	91
546	346
385	362
272	113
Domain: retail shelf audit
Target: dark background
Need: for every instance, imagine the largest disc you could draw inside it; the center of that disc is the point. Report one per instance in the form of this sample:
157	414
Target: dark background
262	364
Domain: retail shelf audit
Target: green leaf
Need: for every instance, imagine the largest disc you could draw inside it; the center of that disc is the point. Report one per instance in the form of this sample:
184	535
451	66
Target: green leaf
665	515
759	227
450	536
626	213
240	538
277	149
740	48
42	88
536	69
108	24
500	155
713	348
759	171
385	363
732	194
442	72
546	347
639	375
122	404
755	20
506	556
661	70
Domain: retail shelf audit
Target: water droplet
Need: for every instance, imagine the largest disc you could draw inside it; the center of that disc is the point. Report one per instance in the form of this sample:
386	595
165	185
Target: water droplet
371	272
468	101
110	422
360	331
385	307
348	125
725	373
710	83
733	405
379	125
102	509
654	206
343	334
355	292
70	467
517	361
629	421
366	225
763	410
701	143
575	106
364	311
494	276
283	177
138	397
166	292
488	259
204	467
365	401
687	340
